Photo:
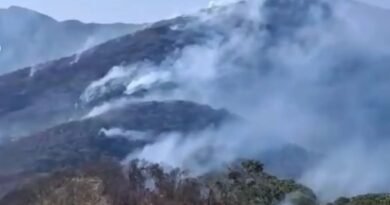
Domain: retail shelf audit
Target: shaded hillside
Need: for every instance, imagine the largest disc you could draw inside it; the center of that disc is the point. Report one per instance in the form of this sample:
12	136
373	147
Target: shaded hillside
78	142
28	37
310	92
53	92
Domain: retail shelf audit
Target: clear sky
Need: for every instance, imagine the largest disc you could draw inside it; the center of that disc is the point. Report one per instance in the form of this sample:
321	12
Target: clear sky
120	10
110	10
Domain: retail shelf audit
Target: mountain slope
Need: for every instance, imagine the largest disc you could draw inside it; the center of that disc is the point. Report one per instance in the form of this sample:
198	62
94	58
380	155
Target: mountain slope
53	91
309	87
110	135
28	38
62	82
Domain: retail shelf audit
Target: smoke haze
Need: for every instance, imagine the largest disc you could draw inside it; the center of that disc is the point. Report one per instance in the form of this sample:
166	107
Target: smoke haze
313	75
317	79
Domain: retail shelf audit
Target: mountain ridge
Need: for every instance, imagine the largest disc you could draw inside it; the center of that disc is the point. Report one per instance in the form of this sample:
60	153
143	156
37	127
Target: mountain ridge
315	92
29	37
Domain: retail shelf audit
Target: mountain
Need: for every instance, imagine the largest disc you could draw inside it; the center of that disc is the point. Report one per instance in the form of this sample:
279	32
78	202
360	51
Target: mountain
293	83
28	37
105	136
62	82
66	82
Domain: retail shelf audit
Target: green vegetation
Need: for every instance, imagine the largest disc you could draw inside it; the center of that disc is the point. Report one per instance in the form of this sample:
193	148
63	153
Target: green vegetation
247	184
142	183
369	199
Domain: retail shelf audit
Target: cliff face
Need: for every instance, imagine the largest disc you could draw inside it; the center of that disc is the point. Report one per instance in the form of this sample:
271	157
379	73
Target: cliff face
28	38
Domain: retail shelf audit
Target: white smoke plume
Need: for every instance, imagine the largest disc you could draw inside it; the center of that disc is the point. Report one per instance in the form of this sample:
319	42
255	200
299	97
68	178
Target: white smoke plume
322	86
131	135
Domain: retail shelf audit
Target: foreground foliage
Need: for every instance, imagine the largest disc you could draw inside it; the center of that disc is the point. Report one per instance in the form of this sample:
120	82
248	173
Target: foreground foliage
142	183
369	199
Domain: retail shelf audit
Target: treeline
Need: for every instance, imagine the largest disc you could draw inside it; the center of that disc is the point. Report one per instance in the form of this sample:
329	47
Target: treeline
143	183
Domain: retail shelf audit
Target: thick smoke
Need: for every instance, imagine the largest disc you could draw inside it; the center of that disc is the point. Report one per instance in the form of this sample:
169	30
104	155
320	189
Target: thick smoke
316	78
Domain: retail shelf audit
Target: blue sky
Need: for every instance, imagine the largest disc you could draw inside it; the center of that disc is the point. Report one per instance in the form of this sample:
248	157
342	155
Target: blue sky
110	10
121	10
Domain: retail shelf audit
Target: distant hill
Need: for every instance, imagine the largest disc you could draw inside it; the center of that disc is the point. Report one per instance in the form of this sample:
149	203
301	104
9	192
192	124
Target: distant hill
28	37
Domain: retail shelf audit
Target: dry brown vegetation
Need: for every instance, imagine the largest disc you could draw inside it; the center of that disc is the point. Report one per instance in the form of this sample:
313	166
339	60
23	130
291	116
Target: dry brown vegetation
142	183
